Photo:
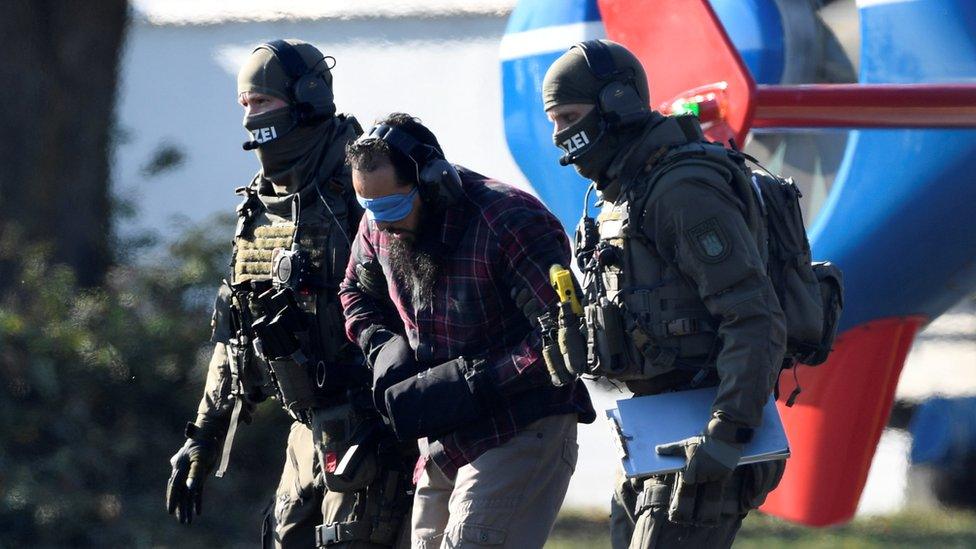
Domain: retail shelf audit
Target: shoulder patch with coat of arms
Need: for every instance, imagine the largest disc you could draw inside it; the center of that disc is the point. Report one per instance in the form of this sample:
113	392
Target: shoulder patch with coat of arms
709	241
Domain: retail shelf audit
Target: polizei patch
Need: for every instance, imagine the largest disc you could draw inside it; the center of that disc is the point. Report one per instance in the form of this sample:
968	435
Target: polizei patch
576	142
262	135
709	241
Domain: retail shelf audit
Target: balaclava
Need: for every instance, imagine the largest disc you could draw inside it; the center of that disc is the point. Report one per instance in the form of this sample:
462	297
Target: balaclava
290	143
571	80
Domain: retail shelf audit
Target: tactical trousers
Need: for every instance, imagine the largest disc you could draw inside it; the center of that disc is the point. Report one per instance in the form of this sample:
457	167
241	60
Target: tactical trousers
302	503
639	510
506	498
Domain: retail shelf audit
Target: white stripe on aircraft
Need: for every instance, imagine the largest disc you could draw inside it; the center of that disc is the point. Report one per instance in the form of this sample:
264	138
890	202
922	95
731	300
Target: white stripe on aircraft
548	39
861	4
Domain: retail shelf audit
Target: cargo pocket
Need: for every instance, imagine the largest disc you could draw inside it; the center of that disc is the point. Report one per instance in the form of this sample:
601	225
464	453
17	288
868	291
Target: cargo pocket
758	480
297	475
476	535
333	429
570	453
655	494
650	511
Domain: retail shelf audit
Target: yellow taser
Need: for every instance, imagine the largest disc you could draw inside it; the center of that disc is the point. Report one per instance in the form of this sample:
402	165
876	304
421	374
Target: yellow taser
562	281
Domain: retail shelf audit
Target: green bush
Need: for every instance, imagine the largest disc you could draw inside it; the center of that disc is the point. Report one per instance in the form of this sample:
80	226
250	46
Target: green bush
95	389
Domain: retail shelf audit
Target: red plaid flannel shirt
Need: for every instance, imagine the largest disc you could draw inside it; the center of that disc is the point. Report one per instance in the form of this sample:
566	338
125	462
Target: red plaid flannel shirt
499	241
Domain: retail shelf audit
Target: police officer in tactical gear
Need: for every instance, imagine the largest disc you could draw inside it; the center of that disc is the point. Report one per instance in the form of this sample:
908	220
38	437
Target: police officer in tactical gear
678	295
278	328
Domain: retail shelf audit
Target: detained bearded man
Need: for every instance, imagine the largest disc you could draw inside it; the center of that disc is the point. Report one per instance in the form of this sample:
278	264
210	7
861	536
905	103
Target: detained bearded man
465	261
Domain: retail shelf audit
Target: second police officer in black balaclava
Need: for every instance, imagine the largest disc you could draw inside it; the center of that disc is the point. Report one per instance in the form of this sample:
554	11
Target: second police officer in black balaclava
677	281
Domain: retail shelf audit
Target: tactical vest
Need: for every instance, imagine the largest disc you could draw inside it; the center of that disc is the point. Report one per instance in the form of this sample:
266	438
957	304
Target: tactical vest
664	322
356	455
323	248
664	325
321	240
656	311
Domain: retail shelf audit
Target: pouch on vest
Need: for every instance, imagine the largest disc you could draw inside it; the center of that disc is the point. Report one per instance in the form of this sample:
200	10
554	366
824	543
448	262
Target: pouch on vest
278	336
295	386
336	430
605	342
558	374
549	326
572	344
831	282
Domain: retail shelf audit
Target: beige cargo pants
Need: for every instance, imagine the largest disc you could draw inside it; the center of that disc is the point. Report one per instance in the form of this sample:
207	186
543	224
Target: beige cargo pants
508	497
301	503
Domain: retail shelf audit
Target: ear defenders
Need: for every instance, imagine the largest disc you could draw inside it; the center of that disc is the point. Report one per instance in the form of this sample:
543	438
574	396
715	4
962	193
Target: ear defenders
619	102
437	179
312	97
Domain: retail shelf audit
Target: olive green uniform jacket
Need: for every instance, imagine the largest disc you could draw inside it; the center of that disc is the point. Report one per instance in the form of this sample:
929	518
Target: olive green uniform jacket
691	277
692	281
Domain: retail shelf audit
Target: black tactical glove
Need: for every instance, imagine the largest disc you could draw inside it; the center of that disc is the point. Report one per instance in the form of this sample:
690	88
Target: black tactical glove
546	319
191	465
572	342
441	399
710	459
391	359
372	280
713	455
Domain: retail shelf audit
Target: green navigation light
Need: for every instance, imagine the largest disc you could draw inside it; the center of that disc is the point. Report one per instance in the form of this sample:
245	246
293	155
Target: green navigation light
685	107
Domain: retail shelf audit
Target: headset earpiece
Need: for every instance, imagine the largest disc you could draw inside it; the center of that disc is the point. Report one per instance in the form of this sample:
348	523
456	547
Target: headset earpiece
620	104
438	181
442	182
311	95
619	101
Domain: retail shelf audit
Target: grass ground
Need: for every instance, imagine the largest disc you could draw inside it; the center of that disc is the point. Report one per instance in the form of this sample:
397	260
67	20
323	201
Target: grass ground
930	529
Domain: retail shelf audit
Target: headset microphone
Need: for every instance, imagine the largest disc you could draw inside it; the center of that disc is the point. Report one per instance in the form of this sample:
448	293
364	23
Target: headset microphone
566	160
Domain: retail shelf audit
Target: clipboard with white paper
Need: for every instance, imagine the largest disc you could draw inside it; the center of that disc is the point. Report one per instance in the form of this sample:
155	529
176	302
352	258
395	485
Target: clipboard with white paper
639	424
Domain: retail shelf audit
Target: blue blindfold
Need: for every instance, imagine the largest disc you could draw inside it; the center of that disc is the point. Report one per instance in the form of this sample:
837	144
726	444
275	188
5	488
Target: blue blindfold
388	209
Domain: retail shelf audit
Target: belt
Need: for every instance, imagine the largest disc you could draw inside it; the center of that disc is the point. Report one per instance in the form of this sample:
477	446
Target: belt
339	532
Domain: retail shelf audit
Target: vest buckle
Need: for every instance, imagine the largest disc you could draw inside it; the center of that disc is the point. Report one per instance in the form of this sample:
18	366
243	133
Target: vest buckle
682	326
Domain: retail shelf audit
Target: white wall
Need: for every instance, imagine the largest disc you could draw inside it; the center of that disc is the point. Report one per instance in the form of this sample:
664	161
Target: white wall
179	86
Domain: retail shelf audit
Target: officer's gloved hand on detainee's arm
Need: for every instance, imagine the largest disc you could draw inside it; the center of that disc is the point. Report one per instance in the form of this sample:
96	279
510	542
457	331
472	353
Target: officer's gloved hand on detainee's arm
191	465
392	361
531	308
440	399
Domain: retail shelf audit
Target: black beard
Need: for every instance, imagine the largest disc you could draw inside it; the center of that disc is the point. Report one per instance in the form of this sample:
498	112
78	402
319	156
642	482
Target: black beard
416	268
